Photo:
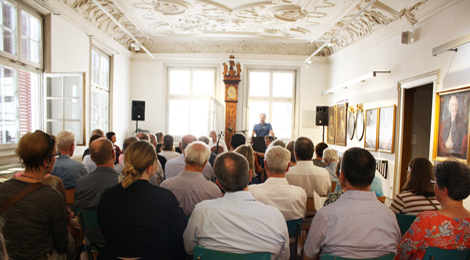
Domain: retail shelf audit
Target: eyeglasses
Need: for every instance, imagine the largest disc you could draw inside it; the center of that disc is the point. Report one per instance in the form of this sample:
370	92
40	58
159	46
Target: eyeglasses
56	155
432	181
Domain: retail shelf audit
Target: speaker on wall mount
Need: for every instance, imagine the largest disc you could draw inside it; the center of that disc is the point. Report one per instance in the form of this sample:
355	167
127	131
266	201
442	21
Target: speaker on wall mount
322	115
138	110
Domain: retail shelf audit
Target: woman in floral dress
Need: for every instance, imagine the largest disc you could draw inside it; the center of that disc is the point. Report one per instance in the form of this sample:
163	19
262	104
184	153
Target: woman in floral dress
447	228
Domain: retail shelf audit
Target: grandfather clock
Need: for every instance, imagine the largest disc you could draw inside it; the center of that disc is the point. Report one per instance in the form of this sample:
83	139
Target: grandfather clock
231	80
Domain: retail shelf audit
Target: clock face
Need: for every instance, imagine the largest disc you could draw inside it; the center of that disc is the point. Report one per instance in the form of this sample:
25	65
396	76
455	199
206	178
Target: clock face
231	92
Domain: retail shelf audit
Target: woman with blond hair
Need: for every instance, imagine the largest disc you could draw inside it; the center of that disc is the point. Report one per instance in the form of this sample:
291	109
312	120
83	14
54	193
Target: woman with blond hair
137	219
249	154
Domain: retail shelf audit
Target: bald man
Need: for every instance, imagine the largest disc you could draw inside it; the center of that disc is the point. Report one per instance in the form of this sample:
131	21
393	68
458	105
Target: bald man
175	166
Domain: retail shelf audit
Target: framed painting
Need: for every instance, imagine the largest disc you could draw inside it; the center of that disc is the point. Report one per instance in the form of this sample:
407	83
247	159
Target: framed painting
341	124
370	140
386	129
351	122
360	122
451	125
331	125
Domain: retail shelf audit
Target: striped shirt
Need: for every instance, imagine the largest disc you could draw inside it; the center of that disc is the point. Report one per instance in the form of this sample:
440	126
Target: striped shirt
411	204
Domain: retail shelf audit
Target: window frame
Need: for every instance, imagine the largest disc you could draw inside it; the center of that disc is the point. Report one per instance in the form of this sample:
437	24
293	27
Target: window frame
100	89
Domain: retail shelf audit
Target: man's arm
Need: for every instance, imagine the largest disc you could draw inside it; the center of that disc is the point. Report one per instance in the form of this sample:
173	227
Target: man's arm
253	134
271	133
316	237
189	235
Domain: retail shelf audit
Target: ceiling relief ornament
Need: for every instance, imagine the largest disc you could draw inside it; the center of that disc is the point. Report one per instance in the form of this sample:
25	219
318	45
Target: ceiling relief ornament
409	12
164	7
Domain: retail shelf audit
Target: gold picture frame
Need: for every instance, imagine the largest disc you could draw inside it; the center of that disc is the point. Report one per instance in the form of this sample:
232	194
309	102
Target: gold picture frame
370	135
331	125
341	124
386	138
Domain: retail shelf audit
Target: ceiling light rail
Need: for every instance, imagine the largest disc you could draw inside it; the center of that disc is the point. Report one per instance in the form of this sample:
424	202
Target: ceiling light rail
451	46
354	81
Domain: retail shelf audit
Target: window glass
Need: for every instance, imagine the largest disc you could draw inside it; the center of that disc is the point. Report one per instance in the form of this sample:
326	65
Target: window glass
100	91
283	84
9	25
30	37
72	87
259	84
179	82
203	83
8	106
282	118
95	67
178	117
198	123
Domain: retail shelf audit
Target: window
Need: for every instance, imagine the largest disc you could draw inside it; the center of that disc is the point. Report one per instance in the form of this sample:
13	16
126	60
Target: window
99	90
191	94
272	92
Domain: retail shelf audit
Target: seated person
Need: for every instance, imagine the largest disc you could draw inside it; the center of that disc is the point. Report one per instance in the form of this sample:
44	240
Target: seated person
376	187
248	153
332	197
330	157
448	227
418	193
89	164
168	150
318	160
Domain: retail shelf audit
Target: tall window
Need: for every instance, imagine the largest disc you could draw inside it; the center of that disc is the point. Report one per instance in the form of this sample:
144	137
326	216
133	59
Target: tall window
272	92
99	90
190	91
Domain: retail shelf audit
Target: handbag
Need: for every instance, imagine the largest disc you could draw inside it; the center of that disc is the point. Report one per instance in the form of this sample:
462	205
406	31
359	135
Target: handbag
15	198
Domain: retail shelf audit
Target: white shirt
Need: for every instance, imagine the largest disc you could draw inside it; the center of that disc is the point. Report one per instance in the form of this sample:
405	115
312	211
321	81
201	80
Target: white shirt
236	223
221	144
175	166
89	164
310	178
169	154
277	192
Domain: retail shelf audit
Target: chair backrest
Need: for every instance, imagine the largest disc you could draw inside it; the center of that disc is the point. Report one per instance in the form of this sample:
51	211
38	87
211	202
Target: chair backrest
404	222
435	253
69	196
294	227
332	257
310	204
201	253
381	199
88	218
333	186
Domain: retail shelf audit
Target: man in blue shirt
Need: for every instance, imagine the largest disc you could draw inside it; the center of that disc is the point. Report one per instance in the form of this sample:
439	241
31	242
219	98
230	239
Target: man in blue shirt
262	129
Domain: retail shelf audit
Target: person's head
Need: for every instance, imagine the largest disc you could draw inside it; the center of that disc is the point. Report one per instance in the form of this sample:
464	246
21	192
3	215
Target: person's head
128	141
268	139
249	154
290	147
237	140
204	139
418	176
37	151
102	152
232	172
187	139
143	136
276	160
330	155
213	135
453	106
278	142
139	158
262	118
159	136
111	136
97	132
153	140
168	143
66	142
319	148
197	153
303	148
453	177
358	168
93	138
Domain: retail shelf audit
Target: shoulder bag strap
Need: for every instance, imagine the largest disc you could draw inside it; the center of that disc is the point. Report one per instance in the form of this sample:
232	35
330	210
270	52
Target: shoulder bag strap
15	198
430	201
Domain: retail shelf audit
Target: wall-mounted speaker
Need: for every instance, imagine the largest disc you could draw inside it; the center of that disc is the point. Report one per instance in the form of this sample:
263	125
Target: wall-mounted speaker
138	110
407	37
322	116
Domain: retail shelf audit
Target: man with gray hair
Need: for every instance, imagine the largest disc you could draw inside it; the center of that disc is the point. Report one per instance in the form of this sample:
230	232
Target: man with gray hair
189	186
68	170
330	157
175	166
276	191
236	223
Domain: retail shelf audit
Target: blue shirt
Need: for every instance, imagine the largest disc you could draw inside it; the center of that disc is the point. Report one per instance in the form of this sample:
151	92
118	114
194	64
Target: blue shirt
69	171
262	130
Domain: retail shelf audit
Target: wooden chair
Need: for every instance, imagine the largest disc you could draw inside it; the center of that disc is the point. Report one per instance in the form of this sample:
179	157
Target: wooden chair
381	199
333	187
89	219
435	253
404	222
332	257
69	196
294	227
201	253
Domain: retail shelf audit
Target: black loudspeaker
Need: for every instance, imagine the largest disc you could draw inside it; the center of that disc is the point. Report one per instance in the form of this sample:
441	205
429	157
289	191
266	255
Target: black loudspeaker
322	116
138	110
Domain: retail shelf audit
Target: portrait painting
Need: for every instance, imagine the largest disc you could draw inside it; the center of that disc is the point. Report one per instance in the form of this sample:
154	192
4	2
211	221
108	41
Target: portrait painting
370	141
331	125
341	124
386	128
452	126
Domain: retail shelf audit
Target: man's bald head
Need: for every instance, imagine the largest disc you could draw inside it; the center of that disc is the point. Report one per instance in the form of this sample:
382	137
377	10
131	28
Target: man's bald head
143	136
102	151
196	153
187	139
153	140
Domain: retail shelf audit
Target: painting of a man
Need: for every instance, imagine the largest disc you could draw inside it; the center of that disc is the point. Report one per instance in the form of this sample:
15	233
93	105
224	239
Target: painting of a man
453	128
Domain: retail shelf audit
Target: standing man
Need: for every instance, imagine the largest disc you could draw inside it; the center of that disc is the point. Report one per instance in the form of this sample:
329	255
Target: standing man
262	129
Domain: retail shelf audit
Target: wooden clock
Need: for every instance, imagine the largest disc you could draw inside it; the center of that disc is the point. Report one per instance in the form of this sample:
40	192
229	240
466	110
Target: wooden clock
231	80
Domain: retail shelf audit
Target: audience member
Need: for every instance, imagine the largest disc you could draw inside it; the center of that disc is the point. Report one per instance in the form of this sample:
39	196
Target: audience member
357	225
306	175
68	170
248	153
190	187
128	141
175	166
3	250
213	142
89	164
418	193
168	151
330	157
212	156
290	147
276	191
159	136
236	223
237	140
332	197
36	224
448	227
94	132
90	188
278	142
161	159
269	139
139	220
319	148
376	186
111	136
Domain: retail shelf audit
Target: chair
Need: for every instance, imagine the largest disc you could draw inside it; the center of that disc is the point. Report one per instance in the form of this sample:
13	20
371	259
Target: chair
201	253
381	199
88	219
294	227
435	253
332	257
69	196
404	222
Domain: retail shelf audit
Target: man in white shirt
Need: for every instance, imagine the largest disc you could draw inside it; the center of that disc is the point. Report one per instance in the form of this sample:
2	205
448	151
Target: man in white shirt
213	141
236	223
306	175
276	191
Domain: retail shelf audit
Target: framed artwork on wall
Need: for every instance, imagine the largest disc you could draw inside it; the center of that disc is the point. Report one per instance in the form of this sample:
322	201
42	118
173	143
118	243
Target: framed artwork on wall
370	140
360	122
331	125
341	124
386	129
451	125
351	122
